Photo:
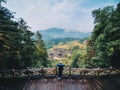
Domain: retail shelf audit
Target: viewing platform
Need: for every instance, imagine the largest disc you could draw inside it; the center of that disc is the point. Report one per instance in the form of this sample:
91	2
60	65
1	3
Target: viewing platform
102	83
53	73
73	79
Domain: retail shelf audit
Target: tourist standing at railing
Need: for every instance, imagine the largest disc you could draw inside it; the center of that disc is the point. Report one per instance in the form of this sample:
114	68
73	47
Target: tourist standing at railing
60	69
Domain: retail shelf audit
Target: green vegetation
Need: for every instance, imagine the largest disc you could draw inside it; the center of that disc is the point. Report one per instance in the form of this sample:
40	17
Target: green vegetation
106	37
18	47
21	48
76	56
103	49
50	43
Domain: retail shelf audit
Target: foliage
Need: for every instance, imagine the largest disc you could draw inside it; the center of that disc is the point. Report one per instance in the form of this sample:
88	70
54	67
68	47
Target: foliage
41	49
3	1
76	60
77	57
18	48
52	42
106	36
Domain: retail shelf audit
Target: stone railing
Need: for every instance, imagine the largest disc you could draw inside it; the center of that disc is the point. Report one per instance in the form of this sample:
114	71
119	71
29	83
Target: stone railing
53	72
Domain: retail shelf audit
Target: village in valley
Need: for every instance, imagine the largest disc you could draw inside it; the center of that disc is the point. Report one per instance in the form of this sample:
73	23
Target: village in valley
59	53
66	52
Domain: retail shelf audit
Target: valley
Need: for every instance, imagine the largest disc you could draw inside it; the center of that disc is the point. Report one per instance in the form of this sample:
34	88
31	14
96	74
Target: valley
65	46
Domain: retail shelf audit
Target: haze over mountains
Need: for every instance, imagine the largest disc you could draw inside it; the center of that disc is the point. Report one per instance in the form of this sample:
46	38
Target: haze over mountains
54	33
54	36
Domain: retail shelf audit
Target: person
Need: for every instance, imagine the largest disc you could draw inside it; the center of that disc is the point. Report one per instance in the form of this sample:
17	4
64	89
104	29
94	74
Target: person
60	69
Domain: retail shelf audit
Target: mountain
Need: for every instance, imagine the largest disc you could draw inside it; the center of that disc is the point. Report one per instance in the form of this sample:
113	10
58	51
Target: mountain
54	33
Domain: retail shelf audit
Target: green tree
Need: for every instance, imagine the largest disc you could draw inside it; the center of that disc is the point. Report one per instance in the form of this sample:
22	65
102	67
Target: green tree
106	35
18	47
27	44
41	49
76	60
8	40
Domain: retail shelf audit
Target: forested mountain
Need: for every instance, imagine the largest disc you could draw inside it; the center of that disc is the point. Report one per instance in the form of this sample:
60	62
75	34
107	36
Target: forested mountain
54	33
54	36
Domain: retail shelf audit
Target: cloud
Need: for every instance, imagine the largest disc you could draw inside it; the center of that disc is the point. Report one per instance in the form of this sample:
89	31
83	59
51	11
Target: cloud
31	8
67	14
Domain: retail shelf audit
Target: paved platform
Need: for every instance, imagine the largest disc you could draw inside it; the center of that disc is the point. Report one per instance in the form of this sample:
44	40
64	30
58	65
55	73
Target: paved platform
104	83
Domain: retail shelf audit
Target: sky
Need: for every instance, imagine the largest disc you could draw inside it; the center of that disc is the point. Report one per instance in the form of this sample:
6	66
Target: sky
67	14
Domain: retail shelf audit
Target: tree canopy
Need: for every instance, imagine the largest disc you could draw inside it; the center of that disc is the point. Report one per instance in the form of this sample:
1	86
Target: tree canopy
106	36
19	47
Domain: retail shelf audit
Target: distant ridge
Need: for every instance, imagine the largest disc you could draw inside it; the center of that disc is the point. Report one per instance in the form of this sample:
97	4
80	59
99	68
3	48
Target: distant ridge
53	33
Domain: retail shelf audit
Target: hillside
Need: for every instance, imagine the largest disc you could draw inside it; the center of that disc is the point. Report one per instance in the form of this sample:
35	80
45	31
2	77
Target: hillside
54	36
52	42
65	45
70	45
54	33
66	52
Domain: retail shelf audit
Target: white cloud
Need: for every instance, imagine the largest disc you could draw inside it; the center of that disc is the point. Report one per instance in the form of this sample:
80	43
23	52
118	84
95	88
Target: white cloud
43	14
31	8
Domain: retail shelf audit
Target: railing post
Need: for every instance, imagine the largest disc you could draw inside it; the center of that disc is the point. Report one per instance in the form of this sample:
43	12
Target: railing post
27	72
84	73
43	72
70	72
98	71
13	72
111	68
56	72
